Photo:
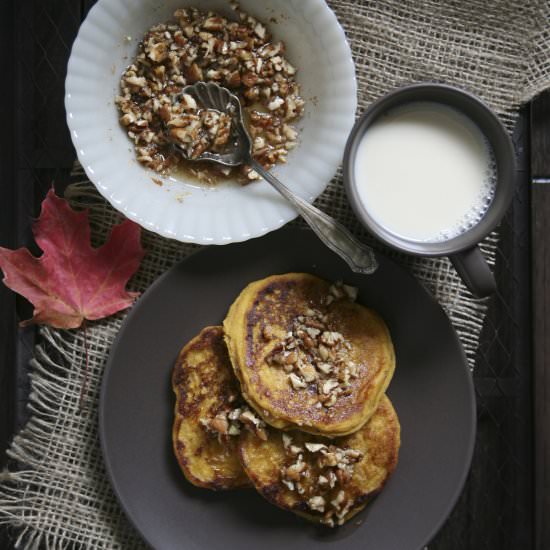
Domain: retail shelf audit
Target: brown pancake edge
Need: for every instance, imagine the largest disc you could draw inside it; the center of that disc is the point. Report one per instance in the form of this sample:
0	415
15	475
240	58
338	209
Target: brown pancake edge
275	301
379	440
203	383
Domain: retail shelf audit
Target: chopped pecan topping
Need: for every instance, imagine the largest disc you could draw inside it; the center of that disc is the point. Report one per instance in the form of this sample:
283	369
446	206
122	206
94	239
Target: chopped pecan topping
268	333
288	484
315	447
329	385
200	46
296	382
312	353
219	423
294	471
230	422
317	504
321	476
308	372
330	338
295	450
254	424
322	480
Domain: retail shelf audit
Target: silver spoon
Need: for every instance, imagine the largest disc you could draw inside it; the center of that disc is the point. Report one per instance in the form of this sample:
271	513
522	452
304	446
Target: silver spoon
357	255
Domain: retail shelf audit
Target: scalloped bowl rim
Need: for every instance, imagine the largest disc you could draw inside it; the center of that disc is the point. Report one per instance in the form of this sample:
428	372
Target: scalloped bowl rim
138	212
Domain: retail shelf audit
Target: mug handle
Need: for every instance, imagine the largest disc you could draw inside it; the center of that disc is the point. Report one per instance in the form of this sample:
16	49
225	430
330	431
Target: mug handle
474	271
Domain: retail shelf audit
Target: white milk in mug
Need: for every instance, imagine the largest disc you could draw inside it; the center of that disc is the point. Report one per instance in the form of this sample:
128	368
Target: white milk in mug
425	172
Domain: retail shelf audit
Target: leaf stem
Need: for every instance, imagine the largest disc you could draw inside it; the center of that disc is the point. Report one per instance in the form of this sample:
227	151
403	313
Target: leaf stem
84	387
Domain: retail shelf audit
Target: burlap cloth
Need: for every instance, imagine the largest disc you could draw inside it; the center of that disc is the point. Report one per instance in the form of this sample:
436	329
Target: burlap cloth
56	494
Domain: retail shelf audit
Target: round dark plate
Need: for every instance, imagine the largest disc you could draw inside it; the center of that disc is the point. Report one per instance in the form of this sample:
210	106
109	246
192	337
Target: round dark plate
432	392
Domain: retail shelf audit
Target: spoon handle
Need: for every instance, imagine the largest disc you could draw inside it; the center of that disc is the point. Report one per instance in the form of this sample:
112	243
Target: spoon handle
357	255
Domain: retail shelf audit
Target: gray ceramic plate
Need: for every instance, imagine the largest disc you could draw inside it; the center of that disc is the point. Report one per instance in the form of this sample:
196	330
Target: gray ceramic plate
432	392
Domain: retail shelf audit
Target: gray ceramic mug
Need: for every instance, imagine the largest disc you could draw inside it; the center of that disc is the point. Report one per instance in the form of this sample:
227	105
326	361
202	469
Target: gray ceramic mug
462	250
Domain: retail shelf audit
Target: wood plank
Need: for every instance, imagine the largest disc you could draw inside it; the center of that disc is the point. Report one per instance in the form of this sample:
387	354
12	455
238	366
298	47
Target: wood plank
495	508
8	200
540	137
36	150
540	233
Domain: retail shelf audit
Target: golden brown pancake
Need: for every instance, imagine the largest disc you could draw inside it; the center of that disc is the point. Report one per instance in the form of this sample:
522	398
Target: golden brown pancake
206	390
326	481
307	356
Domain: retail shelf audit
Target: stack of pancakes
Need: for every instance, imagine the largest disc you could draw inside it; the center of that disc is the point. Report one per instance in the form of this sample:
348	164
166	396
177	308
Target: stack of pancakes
288	397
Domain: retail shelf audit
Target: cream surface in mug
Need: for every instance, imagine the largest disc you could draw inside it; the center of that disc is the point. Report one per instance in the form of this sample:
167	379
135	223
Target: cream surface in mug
425	172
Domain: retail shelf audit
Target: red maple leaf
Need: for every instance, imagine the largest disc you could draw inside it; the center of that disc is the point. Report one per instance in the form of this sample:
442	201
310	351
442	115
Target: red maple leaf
72	281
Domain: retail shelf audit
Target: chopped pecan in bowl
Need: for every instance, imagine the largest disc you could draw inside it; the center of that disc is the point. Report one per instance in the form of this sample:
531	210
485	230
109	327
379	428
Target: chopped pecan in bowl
239	54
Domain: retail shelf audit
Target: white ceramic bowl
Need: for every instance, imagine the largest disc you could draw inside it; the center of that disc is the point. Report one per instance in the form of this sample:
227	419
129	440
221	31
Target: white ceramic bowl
182	210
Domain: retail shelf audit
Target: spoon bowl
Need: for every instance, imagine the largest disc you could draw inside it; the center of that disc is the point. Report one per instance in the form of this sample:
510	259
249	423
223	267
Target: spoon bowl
214	97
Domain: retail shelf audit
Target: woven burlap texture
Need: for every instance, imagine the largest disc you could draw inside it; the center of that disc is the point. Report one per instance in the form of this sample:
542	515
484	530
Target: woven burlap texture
56	494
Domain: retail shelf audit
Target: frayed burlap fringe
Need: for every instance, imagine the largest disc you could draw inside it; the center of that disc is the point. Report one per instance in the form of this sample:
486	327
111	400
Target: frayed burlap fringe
58	496
55	494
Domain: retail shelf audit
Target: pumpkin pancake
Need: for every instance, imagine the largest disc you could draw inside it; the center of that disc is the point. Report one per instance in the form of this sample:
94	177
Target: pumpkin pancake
207	413
307	356
326	481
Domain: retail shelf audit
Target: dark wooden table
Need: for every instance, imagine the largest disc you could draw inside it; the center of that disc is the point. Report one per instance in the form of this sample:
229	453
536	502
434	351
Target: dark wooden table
540	238
507	495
